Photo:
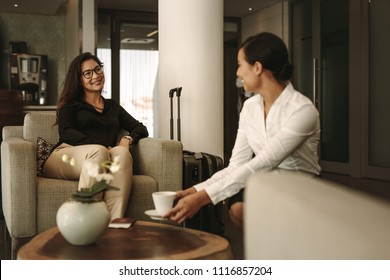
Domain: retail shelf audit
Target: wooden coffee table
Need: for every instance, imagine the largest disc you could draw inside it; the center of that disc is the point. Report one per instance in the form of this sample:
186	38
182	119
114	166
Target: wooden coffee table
143	240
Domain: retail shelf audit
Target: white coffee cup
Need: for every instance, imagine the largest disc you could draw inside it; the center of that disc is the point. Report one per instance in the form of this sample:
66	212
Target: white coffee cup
163	201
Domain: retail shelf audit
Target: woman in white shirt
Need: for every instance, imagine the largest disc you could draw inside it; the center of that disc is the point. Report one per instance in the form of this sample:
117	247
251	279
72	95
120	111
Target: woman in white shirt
279	130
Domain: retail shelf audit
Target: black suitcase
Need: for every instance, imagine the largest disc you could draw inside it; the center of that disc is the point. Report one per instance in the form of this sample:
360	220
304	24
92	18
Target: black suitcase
198	167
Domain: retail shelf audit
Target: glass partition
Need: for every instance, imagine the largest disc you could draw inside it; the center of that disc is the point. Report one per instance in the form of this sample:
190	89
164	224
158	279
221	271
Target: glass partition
379	98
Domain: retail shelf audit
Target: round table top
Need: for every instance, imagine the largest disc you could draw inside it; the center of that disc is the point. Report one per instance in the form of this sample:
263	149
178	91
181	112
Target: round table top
143	240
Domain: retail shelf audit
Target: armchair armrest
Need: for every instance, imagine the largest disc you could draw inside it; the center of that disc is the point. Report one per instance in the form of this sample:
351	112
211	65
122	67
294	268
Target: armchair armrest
12	131
19	187
161	159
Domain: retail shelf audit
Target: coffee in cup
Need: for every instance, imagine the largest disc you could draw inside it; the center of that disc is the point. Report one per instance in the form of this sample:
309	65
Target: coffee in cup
163	201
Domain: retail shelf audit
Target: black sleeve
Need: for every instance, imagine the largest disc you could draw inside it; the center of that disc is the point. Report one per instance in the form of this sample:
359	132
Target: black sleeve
135	128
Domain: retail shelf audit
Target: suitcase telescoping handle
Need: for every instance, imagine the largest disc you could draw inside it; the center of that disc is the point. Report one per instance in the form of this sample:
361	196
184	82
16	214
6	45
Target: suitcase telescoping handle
178	93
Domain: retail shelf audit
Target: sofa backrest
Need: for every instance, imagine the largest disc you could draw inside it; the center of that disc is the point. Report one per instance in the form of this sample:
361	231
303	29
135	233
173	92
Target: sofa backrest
292	216
38	124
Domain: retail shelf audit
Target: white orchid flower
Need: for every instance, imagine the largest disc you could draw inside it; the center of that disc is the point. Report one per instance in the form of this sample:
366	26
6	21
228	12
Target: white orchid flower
116	159
65	158
115	165
72	162
91	167
99	171
107	177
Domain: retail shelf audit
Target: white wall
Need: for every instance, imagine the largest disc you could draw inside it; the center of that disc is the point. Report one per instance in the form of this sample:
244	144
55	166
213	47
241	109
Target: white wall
89	24
273	19
80	28
191	56
72	30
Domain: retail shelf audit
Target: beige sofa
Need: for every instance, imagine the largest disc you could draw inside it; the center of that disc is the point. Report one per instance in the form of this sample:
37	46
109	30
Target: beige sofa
30	202
296	217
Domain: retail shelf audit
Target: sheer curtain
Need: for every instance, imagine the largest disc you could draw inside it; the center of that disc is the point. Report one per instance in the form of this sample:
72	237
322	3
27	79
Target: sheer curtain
138	77
105	56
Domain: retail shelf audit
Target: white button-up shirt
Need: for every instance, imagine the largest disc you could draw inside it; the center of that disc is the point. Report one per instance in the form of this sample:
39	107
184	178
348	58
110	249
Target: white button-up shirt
287	140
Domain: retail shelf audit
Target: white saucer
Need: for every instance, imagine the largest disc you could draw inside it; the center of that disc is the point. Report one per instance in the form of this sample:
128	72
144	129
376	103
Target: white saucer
153	215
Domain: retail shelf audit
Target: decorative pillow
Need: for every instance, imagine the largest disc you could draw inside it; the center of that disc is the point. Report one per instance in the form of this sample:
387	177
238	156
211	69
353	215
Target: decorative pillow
44	150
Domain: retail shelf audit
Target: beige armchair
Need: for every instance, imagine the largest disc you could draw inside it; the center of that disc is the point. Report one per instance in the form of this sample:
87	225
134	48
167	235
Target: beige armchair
30	202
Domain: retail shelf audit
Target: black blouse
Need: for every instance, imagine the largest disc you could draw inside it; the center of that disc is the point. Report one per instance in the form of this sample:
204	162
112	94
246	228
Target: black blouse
79	124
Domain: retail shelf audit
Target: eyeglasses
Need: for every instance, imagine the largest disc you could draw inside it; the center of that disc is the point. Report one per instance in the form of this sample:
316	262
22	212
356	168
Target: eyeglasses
89	73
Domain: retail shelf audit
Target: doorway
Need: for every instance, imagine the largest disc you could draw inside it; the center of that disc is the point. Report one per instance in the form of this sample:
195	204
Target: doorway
128	48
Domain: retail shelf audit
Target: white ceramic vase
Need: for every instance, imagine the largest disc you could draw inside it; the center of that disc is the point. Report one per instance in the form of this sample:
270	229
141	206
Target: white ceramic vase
82	223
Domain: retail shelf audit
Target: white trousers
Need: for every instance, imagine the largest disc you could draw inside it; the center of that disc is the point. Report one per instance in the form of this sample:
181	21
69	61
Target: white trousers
116	200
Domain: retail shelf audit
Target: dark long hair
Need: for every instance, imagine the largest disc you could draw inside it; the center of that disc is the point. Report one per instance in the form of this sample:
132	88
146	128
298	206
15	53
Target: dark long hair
271	52
71	88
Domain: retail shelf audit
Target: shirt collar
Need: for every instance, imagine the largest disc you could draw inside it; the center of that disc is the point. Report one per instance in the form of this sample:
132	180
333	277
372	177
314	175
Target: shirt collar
283	97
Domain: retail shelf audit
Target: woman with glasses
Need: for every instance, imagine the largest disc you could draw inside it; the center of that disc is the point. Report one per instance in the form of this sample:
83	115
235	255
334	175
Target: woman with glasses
89	126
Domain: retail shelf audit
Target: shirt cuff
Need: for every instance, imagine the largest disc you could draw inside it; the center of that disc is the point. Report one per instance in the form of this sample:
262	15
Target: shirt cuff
200	186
